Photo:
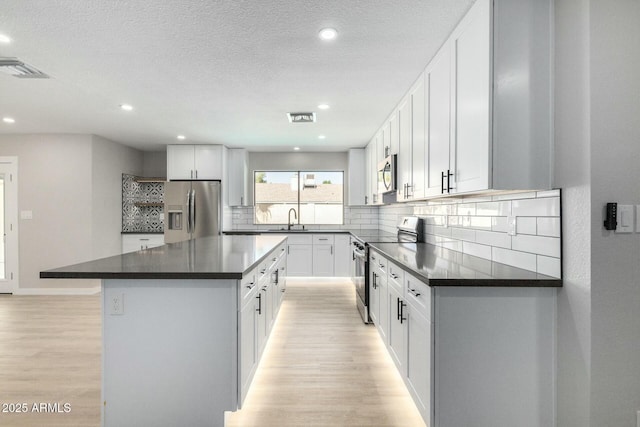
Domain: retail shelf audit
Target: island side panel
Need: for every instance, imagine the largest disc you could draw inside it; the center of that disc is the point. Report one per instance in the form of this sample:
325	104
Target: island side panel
494	356
171	357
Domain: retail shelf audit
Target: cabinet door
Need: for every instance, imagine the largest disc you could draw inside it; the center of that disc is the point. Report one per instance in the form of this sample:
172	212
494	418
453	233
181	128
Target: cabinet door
405	154
261	323
438	82
322	260
237	168
383	314
472	90
270	296
208	162
342	256
396	333
374	298
418	140
394	140
299	262
419	360
357	177
368	172
180	160
248	346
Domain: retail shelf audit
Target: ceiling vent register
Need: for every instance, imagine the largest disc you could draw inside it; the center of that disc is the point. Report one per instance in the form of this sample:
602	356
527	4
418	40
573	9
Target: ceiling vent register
301	117
17	68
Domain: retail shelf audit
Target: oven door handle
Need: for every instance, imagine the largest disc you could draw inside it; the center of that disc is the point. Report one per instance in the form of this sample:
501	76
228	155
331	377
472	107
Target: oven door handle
358	254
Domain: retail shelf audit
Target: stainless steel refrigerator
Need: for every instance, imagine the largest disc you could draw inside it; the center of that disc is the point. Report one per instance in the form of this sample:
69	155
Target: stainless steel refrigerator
192	209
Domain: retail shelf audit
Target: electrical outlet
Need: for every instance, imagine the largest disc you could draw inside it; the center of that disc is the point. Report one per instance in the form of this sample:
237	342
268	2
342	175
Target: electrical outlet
511	222
116	304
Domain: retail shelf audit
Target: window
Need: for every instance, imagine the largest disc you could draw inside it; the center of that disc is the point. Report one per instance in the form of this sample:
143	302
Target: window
316	197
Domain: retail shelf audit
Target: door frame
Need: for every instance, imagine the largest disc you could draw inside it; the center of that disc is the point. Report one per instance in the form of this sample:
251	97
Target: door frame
9	165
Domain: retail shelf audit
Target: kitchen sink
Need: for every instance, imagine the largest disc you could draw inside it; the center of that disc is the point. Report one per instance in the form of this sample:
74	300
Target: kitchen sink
293	230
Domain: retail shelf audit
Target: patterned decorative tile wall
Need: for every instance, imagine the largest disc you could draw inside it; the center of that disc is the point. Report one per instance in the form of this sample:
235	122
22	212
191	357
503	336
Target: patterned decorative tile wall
479	226
355	217
137	218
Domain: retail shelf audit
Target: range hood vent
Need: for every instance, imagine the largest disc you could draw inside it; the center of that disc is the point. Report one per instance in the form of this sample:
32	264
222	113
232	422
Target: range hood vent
301	117
17	68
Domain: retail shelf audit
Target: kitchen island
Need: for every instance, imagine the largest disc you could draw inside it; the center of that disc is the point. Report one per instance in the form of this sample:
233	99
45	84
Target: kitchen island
171	326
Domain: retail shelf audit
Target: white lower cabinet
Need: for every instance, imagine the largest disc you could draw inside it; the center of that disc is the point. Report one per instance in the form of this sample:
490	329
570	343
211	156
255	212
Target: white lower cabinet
469	347
260	298
342	255
319	255
139	242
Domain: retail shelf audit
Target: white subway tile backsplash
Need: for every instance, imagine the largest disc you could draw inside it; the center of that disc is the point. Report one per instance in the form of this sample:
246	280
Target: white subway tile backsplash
476	249
549	227
476	226
494	208
526	225
549	206
549	266
493	238
549	246
500	223
463	234
514	258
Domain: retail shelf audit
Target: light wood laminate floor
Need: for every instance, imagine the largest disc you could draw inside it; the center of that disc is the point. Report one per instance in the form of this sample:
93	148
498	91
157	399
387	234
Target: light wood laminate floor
322	365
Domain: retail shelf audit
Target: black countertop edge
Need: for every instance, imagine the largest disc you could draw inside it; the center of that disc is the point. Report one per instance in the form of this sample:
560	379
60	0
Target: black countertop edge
142	232
297	231
134	275
546	282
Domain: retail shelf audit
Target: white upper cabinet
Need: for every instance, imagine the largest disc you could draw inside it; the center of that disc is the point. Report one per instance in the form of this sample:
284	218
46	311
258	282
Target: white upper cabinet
438	90
418	140
237	167
357	171
471	100
368	172
194	162
481	117
404	172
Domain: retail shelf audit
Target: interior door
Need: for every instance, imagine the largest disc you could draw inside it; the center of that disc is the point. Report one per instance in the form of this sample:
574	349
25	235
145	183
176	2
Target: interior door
8	224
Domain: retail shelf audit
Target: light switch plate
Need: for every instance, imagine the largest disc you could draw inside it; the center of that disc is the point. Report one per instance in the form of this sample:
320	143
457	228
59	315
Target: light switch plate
26	214
625	219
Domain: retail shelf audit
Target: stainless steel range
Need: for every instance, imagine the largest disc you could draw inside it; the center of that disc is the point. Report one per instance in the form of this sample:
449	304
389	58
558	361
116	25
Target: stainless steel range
408	230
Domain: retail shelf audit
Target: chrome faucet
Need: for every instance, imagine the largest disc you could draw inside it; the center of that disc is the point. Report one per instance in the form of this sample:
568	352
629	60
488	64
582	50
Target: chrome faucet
289	223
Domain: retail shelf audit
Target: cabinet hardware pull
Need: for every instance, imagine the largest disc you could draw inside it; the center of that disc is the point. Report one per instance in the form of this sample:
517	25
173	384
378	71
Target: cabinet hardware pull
442	183
402	305
449	175
374	281
196	173
241	201
331	249
398	308
275	259
191	173
366	200
413	291
259	310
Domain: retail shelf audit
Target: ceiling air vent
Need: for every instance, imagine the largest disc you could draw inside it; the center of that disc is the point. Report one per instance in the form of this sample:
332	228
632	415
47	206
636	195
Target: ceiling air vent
17	68
301	117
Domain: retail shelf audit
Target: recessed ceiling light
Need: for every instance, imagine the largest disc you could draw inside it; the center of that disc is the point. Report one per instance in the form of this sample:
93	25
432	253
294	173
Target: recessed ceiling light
181	137
323	106
4	39
296	148
8	120
327	34
126	107
321	137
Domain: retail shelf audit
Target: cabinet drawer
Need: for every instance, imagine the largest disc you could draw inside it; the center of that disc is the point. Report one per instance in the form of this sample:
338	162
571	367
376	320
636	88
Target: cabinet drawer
299	239
418	294
248	286
395	277
378	262
323	239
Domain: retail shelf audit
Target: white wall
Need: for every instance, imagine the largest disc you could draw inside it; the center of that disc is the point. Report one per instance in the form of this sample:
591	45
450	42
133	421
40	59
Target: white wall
614	65
572	172
110	160
71	215
154	164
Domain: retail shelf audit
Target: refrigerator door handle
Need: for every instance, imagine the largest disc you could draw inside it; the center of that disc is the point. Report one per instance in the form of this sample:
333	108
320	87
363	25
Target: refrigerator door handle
188	211
193	209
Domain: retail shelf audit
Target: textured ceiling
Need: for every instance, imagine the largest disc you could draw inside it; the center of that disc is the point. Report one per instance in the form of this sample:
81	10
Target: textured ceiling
217	71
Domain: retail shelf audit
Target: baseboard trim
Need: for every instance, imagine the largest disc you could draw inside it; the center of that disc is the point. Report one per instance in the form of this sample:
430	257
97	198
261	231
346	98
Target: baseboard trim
58	291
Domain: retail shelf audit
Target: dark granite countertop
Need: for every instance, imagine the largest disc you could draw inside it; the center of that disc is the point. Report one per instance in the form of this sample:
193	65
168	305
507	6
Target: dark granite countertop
214	257
443	267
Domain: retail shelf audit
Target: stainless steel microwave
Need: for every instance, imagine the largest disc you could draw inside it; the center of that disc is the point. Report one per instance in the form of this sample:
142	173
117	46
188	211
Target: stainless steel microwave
387	174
